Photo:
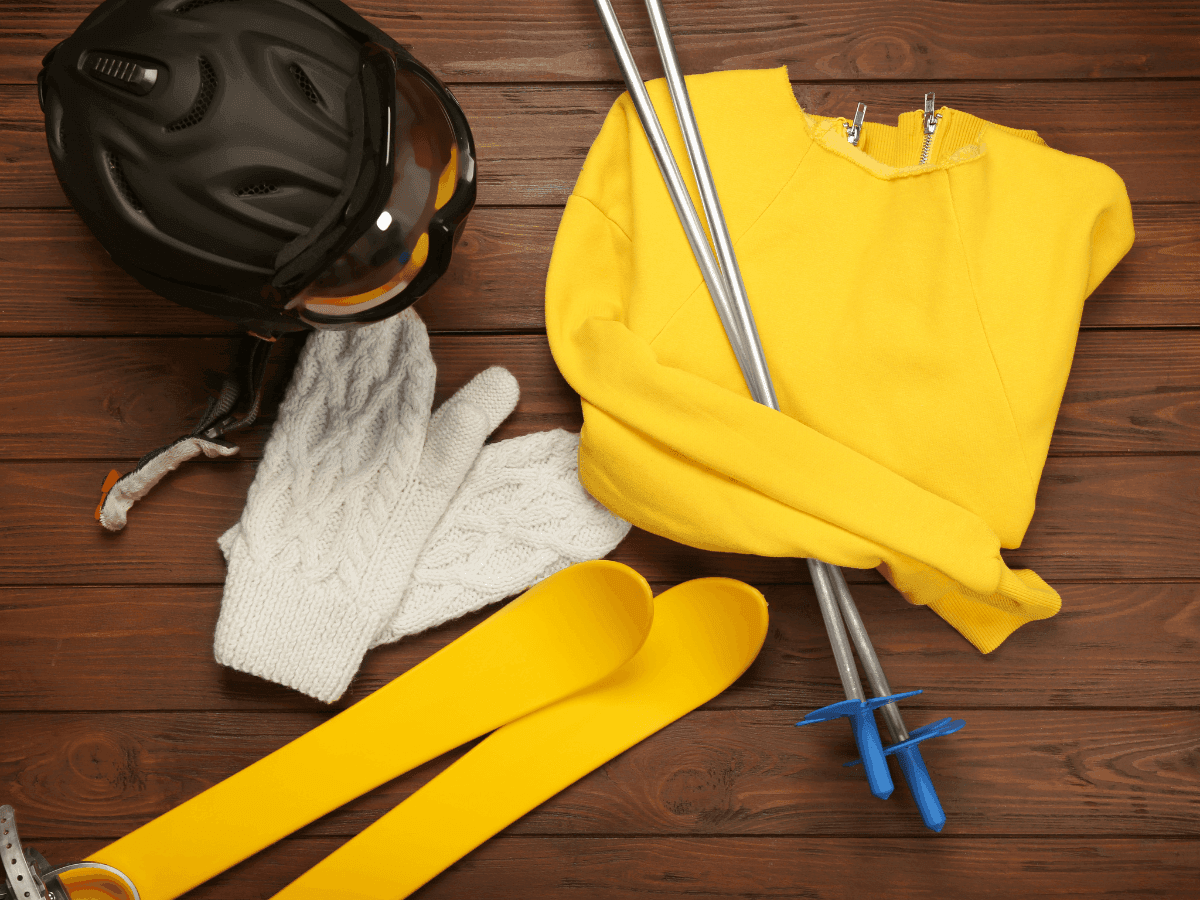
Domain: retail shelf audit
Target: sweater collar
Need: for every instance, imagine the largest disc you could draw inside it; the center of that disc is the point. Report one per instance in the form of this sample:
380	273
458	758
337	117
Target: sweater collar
893	151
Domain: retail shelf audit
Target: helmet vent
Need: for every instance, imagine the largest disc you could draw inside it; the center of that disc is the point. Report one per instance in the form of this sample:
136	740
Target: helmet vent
305	84
122	183
257	190
184	8
204	98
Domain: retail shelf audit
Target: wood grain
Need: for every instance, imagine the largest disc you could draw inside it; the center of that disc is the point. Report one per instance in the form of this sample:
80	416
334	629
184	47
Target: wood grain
532	139
1050	867
1129	392
111	397
1078	774
540	40
61	282
720	772
150	648
1098	519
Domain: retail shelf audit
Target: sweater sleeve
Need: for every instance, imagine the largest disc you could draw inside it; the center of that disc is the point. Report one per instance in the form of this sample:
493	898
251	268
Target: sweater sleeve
1040	229
712	469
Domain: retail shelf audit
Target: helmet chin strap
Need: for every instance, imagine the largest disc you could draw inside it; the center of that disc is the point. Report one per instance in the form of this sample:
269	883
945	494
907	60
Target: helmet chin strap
28	876
245	383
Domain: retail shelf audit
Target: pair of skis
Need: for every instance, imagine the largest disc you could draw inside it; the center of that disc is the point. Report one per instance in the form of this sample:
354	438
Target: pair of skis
578	669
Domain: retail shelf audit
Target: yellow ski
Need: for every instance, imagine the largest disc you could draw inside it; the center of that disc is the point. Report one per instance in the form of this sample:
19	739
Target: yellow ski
562	635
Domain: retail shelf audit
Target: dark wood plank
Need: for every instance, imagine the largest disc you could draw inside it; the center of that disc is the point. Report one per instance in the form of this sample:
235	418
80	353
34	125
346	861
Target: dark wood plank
60	280
518	40
1131	392
150	648
1158	281
1128	512
532	139
112	397
1098	519
1051	867
1009	772
612	869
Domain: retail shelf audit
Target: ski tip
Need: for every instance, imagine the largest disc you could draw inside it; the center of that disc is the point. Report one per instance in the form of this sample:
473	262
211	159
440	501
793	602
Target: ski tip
718	626
721	598
601	597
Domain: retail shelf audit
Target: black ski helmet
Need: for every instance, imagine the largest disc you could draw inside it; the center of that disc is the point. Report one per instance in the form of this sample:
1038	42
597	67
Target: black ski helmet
278	163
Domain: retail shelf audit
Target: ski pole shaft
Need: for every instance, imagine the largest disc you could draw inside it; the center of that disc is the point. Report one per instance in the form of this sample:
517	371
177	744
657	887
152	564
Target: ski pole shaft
836	630
757	375
758	379
724	281
866	654
682	201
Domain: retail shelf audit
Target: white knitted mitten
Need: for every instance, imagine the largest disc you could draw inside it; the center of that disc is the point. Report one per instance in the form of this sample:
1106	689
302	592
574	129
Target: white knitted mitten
353	479
519	516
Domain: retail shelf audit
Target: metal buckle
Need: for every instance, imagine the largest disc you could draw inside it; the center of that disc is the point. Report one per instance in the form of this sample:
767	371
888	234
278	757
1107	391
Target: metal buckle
23	883
27	875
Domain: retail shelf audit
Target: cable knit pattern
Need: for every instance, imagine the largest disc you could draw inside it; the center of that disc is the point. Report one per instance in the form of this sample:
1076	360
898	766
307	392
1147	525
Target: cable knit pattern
519	516
352	481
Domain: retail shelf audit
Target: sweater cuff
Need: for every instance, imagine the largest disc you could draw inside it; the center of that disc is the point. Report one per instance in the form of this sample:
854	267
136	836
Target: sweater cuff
985	620
309	636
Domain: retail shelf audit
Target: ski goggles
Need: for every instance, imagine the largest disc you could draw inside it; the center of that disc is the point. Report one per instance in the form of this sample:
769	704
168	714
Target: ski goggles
415	186
27	875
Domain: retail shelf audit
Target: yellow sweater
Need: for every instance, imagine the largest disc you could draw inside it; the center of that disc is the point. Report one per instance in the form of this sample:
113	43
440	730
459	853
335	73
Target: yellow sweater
918	321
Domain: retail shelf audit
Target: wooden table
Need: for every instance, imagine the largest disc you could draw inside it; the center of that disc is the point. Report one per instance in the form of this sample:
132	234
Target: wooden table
1078	774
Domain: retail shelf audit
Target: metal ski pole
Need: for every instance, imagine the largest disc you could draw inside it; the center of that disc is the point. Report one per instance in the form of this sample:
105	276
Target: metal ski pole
729	296
661	149
757	375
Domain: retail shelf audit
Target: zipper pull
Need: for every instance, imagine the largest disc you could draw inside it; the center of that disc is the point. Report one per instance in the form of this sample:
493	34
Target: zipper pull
854	132
930	123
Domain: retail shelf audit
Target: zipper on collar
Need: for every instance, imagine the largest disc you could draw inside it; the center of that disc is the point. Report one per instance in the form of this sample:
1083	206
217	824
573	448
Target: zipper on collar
854	132
929	123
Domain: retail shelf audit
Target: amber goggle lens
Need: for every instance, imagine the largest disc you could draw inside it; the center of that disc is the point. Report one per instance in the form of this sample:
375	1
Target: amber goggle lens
385	260
89	881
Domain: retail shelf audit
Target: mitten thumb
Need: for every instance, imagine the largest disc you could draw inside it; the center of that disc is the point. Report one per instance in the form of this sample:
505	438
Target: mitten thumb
458	429
520	515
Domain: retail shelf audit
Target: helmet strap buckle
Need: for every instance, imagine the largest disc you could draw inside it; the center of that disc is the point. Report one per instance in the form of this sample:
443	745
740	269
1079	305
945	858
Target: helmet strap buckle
28	876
